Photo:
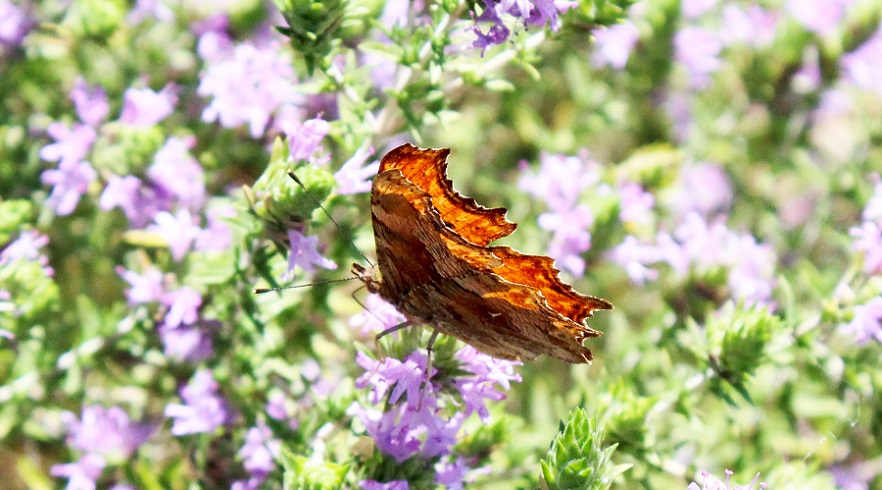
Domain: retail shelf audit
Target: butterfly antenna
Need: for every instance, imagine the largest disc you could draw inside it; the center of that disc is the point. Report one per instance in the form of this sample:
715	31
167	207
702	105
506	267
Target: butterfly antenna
317	203
296	286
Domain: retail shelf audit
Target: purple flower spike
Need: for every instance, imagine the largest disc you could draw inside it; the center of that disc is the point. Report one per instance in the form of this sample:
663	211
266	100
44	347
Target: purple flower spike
144	107
260	451
178	173
81	475
305	138
698	50
183	306
15	23
865	324
146	288
90	102
71	146
70	182
248	87
305	254
105	431
203	410
352	178
392	485
178	230
188	343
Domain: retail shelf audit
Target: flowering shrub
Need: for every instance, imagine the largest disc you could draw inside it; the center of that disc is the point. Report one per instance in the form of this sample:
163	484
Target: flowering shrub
711	168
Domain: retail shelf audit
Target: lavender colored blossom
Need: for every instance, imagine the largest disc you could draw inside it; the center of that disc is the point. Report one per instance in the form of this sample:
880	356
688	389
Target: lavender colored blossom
90	102
613	45
178	173
390	430
852	477
183	306
488	372
217	234
865	323
392	485
27	247
144	107
560	182
703	188
305	254
304	139
406	376
247	87
145	288
862	66
378	315
15	23
138	201
70	181
81	475
453	475
260	451
352	178
634	256
145	9
868	241
693	9
712	483
698	50
178	230
819	16
636	204
72	143
531	13
203	410
105	431
188	343
873	209
280	407
751	25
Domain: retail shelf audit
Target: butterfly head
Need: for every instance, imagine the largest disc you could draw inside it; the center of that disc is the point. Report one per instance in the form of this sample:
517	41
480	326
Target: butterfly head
370	276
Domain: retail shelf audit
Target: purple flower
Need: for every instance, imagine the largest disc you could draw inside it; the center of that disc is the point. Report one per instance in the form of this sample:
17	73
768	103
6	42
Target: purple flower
711	483
868	241
145	9
819	16
15	23
861	66
70	181
873	209
304	139
81	475
531	12
178	230
698	50
178	173
392	485
90	102
144	107
188	343
852	477
259	452
247	87
146	288
217	235
703	188
305	254
452	475
280	407
203	409
865	322
571	237
488	372
751	25
71	145
140	203
27	247
390	430
377	317
183	306
636	204
692	9
613	45
634	257
407	377
105	431
352	178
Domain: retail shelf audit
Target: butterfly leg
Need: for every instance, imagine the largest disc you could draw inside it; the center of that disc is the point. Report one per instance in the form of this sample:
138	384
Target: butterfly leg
428	366
396	328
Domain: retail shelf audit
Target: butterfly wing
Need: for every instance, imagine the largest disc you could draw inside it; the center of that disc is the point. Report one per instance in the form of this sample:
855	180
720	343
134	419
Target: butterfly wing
427	170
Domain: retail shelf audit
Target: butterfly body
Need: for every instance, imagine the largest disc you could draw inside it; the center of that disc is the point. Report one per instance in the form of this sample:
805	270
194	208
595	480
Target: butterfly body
435	266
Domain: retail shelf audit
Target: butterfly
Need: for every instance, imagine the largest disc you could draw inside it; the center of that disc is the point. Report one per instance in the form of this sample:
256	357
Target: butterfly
436	266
